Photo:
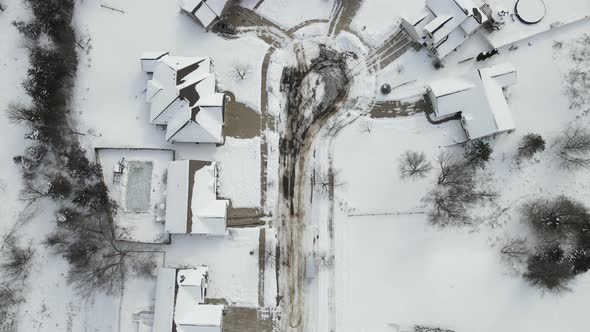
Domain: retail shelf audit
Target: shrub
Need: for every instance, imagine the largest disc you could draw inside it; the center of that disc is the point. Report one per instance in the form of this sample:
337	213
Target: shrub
59	187
477	153
557	219
531	144
549	270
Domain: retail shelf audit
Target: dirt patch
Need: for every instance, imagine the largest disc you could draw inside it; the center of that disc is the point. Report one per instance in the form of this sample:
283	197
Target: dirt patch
397	108
240	120
244	217
247	320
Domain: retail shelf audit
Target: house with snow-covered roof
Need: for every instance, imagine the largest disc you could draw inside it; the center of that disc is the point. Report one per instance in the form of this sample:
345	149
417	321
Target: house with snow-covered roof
192	206
182	97
180	302
206	12
444	25
478	98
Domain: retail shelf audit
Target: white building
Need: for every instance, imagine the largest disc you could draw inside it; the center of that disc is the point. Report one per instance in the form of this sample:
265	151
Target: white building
192	206
206	12
182	96
444	25
179	304
479	98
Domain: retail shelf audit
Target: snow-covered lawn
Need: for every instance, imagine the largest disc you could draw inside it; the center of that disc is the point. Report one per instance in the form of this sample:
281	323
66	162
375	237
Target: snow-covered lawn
289	13
399	269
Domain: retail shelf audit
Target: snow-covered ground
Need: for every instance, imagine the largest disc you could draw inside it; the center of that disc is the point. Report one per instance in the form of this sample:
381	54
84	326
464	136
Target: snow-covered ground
390	267
398	269
289	13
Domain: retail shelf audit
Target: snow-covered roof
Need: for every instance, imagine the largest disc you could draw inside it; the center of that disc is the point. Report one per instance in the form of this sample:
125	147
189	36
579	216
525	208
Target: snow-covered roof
448	26
209	214
480	99
190	312
164	302
180	298
205	11
174	92
191	199
203	318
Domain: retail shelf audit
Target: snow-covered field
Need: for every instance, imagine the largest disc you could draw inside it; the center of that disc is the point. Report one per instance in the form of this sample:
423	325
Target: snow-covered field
398	269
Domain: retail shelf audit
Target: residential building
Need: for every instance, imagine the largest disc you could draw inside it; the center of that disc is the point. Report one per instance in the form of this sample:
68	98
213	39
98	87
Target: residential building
478	98
192	206
206	12
444	25
182	97
180	302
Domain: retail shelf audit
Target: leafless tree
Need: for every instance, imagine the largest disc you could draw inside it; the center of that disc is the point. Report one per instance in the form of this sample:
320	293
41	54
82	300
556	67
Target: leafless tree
333	126
453	171
455	192
324	260
241	71
326	181
98	262
515	248
448	208
16	261
19	113
366	126
32	192
400	68
574	148
515	252
414	164
144	266
270	256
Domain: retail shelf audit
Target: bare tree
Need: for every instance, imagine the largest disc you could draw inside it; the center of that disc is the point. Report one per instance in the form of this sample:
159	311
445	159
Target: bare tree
241	71
144	266
16	261
366	126
453	171
448	208
333	126
98	262
19	113
324	260
270	256
574	148
414	164
32	192
455	192
326	181
515	248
